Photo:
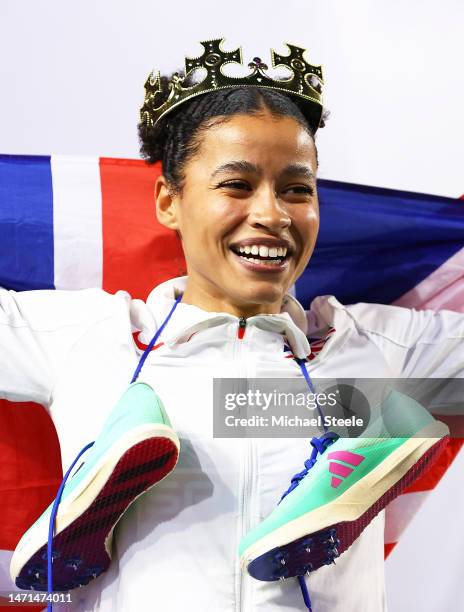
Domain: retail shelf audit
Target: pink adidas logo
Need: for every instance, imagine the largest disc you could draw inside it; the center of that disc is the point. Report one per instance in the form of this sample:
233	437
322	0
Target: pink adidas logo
342	470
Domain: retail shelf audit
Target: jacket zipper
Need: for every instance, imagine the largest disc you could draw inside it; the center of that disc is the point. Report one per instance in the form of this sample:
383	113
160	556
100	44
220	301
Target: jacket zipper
241	328
245	481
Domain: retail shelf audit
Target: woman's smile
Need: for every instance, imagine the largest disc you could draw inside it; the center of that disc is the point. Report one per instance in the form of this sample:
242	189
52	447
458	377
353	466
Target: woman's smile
262	254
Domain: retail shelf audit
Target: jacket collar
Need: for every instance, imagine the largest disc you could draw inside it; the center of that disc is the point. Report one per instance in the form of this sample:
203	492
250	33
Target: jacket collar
188	318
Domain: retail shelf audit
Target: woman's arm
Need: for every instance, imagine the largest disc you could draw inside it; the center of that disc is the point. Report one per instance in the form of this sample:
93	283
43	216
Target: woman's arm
37	331
418	343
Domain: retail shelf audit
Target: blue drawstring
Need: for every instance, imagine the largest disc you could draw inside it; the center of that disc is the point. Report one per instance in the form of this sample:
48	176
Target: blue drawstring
319	446
154	339
51	526
302	364
305	592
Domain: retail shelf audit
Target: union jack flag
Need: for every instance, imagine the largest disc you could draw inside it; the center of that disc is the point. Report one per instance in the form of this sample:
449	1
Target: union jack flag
375	245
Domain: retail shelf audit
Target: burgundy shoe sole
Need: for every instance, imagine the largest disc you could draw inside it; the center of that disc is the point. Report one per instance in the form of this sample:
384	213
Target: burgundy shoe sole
312	551
79	553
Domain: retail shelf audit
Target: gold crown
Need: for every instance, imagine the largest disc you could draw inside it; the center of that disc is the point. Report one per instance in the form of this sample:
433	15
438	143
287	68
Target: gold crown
305	84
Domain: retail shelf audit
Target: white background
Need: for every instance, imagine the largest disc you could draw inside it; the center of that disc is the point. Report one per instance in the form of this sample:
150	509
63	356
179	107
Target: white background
71	76
71	82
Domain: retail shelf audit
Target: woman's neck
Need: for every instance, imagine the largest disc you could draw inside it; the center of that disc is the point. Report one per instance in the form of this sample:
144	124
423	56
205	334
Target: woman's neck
214	300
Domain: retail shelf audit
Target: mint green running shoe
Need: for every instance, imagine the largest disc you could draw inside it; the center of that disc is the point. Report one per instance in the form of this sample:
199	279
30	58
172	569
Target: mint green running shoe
136	448
339	492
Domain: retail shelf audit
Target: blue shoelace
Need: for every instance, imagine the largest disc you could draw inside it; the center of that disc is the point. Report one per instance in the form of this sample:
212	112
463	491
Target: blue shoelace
319	446
51	526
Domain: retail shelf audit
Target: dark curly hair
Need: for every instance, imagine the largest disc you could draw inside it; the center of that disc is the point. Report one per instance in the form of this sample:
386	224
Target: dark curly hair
176	138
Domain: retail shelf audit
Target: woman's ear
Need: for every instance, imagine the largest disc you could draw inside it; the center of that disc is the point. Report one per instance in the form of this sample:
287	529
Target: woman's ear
165	204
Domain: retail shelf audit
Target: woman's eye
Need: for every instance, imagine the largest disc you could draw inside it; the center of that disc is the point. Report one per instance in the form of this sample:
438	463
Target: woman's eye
242	185
301	189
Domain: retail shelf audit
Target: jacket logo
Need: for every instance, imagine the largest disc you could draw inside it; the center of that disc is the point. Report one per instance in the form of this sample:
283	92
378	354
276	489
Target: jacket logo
342	471
140	345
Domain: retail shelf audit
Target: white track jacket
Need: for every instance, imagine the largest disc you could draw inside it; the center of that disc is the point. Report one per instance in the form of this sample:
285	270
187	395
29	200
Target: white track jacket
175	549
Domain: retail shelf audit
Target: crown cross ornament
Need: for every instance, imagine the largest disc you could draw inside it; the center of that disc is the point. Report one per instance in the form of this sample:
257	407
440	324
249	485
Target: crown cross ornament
304	74
305	83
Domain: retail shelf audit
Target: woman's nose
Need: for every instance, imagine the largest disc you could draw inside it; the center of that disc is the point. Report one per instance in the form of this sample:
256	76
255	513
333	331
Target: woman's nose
266	210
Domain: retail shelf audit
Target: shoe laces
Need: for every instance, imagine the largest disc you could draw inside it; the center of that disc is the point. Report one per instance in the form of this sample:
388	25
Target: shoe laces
51	525
319	447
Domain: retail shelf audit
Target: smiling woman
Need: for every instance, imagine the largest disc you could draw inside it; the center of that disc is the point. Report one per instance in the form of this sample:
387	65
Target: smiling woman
238	184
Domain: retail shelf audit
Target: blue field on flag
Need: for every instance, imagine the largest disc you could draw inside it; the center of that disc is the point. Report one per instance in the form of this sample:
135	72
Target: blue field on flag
376	244
26	223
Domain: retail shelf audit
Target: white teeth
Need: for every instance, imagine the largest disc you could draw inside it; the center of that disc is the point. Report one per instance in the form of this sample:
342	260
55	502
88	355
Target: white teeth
263	251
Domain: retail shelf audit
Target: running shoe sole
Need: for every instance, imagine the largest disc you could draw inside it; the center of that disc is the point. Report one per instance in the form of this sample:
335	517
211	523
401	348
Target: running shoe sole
86	520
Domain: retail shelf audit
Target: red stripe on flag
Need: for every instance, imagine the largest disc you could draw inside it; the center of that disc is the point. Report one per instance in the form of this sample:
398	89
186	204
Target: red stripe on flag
388	548
23	606
20	606
138	252
31	467
432	477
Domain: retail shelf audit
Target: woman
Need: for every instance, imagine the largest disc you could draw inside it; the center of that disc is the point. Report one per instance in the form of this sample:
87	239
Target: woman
239	187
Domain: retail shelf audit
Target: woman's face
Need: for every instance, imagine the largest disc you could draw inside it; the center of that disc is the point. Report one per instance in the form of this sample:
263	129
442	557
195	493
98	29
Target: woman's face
248	213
